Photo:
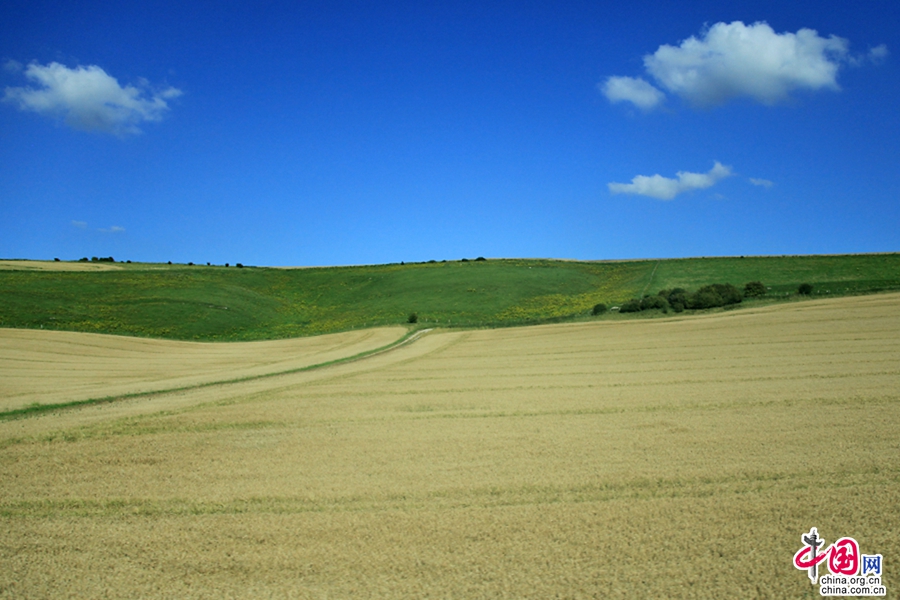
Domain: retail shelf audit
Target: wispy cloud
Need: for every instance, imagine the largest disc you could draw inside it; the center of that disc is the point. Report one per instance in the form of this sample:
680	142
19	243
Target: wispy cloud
731	60
113	229
762	182
878	54
89	99
12	66
665	188
80	224
632	89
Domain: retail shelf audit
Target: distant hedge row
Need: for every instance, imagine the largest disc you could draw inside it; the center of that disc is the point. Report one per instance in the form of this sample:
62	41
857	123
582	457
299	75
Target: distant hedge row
709	296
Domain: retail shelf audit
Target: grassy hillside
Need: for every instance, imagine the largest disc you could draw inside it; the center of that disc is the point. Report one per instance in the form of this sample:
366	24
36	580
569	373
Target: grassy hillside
218	303
830	275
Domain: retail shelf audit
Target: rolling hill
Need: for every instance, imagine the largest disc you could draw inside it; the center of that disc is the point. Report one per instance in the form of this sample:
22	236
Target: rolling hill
217	303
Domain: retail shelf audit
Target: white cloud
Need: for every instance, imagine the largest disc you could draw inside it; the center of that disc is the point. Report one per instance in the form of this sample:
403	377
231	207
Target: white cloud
89	99
79	224
632	89
732	60
113	229
761	182
664	188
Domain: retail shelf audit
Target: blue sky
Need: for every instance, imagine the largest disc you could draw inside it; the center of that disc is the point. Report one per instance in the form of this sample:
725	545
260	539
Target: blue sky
333	133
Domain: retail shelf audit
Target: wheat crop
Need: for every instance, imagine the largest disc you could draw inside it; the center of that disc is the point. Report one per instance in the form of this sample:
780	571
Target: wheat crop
678	457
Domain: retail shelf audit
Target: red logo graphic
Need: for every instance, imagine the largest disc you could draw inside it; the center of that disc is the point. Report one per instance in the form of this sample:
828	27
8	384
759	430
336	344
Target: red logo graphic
844	559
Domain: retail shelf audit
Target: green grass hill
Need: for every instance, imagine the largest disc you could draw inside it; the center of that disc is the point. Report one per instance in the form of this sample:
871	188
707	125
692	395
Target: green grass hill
251	303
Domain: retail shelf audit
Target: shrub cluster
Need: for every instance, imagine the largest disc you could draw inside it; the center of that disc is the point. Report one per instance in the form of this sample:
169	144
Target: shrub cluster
654	302
717	294
633	305
754	289
679	299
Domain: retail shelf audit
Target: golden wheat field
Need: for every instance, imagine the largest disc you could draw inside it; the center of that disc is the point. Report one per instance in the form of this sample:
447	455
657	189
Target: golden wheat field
49	367
46	265
678	458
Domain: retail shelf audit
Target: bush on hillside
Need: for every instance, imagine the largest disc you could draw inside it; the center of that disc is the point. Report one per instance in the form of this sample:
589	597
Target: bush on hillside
598	309
633	305
657	302
704	298
754	289
654	302
676	297
709	296
729	293
413	318
805	289
717	294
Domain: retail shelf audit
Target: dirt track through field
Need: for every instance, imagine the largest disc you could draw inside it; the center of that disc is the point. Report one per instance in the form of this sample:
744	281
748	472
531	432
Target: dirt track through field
50	367
680	457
